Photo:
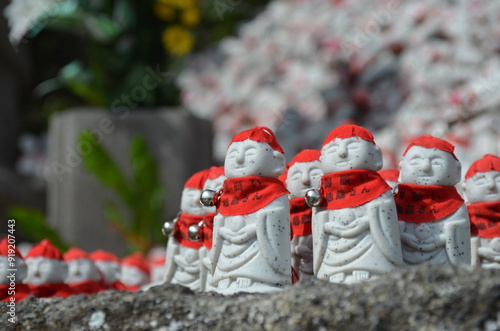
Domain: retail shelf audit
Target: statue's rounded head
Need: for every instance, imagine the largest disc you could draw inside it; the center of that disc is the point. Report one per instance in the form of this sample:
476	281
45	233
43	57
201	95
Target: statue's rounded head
482	180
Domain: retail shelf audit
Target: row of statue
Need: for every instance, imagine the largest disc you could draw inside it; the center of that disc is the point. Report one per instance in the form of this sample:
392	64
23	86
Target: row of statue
44	272
263	224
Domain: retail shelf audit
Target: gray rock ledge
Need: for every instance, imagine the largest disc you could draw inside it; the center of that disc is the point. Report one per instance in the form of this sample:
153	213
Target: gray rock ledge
423	298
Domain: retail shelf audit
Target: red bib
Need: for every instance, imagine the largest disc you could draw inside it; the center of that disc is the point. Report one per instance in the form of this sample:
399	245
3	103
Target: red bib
207	230
485	219
181	230
51	290
86	287
300	218
351	188
21	292
426	203
246	195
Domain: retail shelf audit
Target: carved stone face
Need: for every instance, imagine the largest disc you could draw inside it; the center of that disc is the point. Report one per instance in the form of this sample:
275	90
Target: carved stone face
350	154
429	166
45	271
20	265
251	158
80	270
303	176
190	202
132	276
110	270
483	187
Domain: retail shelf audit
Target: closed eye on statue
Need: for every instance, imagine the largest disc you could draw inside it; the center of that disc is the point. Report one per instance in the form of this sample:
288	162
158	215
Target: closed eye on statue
353	145
438	161
416	160
332	148
315	173
296	176
251	152
232	154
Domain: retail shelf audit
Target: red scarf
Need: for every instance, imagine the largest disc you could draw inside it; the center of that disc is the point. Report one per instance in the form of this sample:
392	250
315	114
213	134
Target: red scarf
117	286
246	195
133	288
207	230
485	219
21	292
300	218
426	203
51	290
351	188
181	230
86	287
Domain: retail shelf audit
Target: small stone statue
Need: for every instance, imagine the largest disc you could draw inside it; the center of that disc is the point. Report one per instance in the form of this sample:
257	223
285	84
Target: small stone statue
183	253
83	275
47	271
109	266
482	193
213	183
156	259
355	225
434	223
135	272
8	292
303	173
251	236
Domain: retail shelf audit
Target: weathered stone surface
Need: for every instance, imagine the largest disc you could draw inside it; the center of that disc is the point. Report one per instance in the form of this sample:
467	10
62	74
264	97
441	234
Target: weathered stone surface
423	298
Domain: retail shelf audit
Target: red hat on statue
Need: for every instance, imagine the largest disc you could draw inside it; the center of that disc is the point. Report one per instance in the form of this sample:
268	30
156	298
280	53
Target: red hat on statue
307	155
101	255
136	260
216	172
348	131
391	175
197	181
75	253
489	162
45	249
260	134
428	141
4	248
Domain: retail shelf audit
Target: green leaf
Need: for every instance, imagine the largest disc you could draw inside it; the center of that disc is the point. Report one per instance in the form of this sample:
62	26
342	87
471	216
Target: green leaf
79	81
101	27
31	223
100	163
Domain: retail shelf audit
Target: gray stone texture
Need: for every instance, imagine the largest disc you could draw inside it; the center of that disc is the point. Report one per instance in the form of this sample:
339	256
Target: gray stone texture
180	143
423	298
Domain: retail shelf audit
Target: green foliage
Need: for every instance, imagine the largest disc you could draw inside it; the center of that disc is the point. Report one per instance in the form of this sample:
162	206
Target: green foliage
142	194
32	225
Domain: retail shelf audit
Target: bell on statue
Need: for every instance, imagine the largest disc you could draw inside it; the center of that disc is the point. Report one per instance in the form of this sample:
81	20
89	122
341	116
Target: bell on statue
207	198
168	228
194	232
313	198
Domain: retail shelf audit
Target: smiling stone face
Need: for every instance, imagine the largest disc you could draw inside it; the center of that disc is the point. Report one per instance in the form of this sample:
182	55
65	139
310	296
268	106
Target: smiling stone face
429	166
251	158
303	176
350	154
45	271
80	270
483	187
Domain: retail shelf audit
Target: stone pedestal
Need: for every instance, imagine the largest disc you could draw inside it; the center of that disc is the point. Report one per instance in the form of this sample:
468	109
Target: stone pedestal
180	143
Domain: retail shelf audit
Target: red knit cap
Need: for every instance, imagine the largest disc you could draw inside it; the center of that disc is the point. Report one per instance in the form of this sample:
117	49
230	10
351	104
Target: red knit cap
4	248
197	181
45	249
487	163
136	260
101	255
307	155
348	131
428	141
260	134
75	253
216	172
391	175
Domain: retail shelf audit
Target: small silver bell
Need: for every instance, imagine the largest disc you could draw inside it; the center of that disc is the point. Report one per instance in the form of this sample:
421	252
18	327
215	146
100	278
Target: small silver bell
207	198
194	232
168	228
313	198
